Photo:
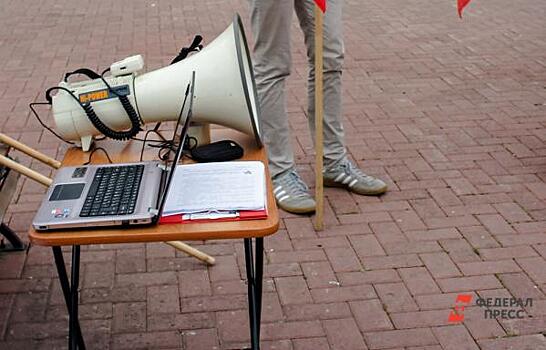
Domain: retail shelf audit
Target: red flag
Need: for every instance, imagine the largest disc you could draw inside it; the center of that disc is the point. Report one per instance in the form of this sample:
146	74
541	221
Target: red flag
322	4
461	4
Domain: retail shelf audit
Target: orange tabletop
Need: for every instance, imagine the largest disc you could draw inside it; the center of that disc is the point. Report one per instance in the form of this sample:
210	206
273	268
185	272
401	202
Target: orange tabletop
123	152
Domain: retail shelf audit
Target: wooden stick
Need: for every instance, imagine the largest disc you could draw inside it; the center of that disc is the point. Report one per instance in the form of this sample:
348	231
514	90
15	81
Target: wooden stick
319	109
34	175
30	151
192	251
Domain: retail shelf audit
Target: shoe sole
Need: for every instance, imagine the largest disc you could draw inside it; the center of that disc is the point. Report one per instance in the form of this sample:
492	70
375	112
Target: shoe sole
377	192
297	210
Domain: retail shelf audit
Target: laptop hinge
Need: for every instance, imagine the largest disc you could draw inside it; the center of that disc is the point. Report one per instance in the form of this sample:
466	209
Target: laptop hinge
164	167
153	211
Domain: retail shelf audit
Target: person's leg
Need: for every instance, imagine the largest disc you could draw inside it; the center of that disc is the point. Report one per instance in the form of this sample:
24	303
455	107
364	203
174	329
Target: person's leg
271	20
334	147
339	171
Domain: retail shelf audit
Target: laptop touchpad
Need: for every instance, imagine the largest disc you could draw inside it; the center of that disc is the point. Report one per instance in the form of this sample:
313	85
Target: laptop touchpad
66	192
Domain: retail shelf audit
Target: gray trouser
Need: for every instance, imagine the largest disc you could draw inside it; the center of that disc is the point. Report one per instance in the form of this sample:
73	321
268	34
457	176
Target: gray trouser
271	22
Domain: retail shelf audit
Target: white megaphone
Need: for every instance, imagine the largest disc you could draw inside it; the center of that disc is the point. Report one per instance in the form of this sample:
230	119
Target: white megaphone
225	93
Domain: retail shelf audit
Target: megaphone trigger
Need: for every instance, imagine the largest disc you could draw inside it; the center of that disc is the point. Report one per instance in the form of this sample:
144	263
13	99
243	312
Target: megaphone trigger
185	51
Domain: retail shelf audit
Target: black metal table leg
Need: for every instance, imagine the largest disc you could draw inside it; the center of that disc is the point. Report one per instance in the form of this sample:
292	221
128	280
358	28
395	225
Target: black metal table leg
258	279
15	242
254	274
70	293
74	282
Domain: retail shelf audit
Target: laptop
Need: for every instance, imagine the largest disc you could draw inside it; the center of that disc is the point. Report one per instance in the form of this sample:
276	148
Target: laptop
114	194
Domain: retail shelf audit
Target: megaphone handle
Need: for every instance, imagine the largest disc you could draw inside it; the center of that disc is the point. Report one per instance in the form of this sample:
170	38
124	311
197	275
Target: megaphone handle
185	51
85	71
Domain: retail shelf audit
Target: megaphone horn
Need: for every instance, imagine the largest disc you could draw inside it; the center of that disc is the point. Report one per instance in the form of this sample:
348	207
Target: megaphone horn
225	92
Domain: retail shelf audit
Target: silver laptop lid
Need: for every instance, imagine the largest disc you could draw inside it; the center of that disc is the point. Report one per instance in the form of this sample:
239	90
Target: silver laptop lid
179	137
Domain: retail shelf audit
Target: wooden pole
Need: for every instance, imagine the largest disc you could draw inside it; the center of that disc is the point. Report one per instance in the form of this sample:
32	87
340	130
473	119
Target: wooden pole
30	151
192	251
319	110
34	175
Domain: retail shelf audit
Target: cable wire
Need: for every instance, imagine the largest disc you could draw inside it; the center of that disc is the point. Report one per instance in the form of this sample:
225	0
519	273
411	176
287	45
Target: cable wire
31	106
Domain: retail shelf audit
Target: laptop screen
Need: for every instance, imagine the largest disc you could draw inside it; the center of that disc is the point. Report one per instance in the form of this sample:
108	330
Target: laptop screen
179	137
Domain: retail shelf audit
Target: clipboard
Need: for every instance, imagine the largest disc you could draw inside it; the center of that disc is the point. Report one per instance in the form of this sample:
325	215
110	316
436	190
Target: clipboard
241	216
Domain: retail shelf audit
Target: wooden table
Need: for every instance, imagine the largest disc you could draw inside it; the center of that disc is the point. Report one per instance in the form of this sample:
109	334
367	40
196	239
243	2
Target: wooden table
122	152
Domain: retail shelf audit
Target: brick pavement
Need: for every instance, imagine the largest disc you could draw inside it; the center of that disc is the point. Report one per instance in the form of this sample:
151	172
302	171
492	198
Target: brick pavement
451	113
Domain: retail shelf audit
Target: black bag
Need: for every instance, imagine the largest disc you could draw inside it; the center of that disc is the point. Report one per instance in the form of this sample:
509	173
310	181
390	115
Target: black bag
219	151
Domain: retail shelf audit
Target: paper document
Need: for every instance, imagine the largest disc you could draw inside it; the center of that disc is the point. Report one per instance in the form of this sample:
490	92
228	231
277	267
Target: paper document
222	186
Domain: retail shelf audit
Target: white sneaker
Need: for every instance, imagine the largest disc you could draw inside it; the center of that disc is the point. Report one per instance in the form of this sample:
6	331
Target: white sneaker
291	193
346	174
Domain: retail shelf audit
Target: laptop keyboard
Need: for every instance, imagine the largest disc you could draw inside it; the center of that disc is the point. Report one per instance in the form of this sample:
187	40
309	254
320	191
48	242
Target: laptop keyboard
114	191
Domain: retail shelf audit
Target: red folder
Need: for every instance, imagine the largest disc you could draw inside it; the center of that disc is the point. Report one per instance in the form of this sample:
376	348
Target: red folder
243	215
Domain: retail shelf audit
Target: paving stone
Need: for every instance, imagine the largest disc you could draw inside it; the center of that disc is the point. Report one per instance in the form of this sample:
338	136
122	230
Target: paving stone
129	317
395	297
282	270
389	262
417	319
366	245
130	261
192	283
343	260
370	315
460	251
455	337
481	327
343	334
507	253
98	275
368	277
418	280
292	330
534	267
121	294
526	342
300	228
29	307
495	224
311	344
440	265
337	294
400	338
213	303
525	326
163	299
293	290
167	339
233	326
224	269
297	257
479	237
177	321
439	301
488	267
459	284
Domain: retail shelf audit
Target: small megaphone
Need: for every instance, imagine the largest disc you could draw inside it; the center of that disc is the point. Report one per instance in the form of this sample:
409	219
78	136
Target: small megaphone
225	93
